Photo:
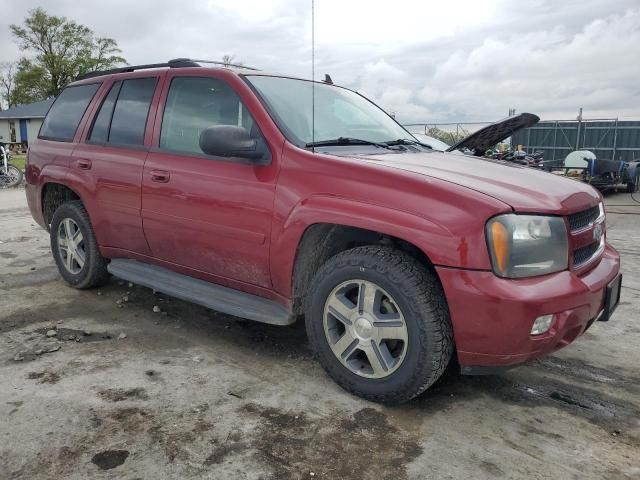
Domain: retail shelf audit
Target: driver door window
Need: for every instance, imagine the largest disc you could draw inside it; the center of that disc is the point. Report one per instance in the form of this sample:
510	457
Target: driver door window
194	104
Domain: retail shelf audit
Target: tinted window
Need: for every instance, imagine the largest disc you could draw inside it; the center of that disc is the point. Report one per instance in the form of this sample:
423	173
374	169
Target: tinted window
196	103
130	113
100	130
64	116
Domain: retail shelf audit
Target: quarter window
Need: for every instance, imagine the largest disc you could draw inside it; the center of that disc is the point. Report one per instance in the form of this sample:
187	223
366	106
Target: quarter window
130	113
194	104
66	112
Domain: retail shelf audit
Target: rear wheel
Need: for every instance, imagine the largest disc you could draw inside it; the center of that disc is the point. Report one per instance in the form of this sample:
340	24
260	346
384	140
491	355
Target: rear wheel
379	324
75	249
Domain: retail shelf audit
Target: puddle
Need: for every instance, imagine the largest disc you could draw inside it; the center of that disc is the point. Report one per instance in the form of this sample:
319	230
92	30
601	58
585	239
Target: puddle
362	445
110	459
530	389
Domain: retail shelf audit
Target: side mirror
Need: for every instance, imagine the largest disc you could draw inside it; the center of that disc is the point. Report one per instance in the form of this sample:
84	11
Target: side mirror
231	141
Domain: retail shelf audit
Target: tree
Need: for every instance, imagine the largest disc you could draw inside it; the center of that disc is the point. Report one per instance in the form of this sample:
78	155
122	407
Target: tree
63	49
7	83
449	137
229	60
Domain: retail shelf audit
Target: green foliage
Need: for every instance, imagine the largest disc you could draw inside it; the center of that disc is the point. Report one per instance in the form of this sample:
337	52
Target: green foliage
449	137
63	49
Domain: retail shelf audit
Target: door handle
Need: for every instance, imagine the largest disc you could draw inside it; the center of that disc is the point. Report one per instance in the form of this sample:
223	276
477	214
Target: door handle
84	163
160	176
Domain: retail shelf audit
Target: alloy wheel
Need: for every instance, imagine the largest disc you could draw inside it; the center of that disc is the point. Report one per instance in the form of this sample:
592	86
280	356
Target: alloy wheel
365	329
71	246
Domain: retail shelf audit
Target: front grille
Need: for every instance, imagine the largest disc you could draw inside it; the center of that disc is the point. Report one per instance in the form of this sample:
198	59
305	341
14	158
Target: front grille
584	254
582	219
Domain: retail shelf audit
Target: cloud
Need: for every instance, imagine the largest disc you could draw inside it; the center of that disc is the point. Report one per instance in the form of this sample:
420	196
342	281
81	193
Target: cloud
426	61
550	72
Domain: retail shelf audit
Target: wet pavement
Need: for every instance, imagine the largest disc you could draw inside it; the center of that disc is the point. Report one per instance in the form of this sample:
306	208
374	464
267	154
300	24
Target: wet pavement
119	390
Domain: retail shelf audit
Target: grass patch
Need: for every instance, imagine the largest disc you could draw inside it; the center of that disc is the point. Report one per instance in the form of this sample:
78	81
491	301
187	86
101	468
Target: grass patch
17	160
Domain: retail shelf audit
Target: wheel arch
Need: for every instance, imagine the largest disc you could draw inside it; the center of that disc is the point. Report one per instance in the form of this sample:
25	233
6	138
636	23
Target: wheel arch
321	241
322	226
53	194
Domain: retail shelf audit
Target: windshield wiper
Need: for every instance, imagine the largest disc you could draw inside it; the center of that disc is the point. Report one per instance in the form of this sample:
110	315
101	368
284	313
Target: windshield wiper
347	141
406	141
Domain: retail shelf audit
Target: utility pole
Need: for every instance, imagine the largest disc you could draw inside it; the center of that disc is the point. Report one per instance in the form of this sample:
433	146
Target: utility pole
579	118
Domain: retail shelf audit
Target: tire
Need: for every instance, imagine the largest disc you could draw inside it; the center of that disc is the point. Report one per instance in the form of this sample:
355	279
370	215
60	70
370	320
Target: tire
83	266
412	294
633	185
13	178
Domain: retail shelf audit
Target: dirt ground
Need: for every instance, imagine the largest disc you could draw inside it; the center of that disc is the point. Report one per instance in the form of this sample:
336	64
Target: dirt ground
122	391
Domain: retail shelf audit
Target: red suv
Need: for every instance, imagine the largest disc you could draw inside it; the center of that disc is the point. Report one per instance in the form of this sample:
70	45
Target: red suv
273	198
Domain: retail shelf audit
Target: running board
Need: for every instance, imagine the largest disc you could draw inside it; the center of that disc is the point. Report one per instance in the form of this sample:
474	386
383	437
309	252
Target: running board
210	295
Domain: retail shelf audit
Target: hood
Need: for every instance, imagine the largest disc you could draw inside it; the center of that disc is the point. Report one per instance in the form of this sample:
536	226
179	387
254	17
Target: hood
485	138
524	189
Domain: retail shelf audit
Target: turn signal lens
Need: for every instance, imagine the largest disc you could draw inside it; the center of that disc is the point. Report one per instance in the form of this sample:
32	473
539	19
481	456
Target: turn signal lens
500	242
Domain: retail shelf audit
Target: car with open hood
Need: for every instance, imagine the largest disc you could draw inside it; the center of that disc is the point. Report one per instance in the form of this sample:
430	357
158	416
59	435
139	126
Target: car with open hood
275	199
483	139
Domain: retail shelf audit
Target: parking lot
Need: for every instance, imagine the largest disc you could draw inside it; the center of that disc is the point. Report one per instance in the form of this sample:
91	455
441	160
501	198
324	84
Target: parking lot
122	383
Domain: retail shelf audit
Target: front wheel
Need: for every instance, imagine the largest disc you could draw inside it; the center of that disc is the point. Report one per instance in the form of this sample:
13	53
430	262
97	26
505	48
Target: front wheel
379	323
11	178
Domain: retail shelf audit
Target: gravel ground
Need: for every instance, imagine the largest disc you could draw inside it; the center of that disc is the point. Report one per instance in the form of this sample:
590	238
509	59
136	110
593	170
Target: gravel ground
95	384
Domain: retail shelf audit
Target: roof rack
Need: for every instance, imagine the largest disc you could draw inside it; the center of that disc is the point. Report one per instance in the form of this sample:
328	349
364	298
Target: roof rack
175	63
225	64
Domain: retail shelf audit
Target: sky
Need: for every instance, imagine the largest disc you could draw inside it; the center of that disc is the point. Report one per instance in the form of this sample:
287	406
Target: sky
425	61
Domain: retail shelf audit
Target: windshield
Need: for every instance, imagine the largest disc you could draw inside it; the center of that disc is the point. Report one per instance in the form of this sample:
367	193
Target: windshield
432	142
339	113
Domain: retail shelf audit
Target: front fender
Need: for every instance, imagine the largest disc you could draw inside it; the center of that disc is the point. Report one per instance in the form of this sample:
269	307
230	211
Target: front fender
435	240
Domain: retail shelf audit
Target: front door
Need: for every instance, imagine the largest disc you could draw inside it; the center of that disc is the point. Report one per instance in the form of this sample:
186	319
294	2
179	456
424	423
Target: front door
211	214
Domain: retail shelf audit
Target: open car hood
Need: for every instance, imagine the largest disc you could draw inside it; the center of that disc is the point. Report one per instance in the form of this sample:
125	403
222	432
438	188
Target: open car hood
488	136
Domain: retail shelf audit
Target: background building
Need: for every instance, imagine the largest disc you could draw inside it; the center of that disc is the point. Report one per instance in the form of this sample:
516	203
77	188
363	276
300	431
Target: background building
19	125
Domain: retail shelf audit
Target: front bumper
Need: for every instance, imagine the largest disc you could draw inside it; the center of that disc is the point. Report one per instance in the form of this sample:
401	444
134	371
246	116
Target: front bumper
492	317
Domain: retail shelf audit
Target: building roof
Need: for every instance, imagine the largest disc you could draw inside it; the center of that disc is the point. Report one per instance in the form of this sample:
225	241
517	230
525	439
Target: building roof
30	110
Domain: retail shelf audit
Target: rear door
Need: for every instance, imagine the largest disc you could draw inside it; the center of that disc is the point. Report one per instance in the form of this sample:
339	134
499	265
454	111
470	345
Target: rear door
210	214
113	157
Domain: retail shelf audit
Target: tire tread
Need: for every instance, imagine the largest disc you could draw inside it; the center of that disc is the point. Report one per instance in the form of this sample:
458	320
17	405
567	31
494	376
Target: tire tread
97	274
425	291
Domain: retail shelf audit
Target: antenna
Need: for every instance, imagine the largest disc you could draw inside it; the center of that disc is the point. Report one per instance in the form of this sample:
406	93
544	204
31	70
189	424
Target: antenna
313	76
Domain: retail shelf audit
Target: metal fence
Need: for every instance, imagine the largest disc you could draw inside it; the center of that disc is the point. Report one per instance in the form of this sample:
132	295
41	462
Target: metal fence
608	138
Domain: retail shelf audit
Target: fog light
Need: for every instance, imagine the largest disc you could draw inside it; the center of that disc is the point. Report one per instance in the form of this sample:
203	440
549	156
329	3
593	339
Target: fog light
542	324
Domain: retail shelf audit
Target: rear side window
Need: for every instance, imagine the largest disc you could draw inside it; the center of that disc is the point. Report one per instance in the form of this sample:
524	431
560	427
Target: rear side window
130	113
100	130
66	112
194	104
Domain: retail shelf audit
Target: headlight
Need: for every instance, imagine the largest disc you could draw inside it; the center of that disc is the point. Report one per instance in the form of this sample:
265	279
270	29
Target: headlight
527	245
